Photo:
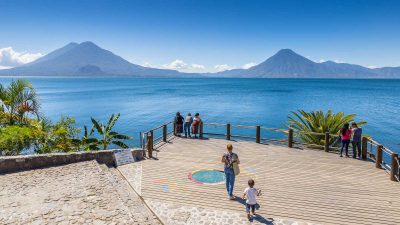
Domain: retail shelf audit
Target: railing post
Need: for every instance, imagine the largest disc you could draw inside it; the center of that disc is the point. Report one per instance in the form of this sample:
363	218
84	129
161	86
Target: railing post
394	169
228	131
326	141
201	130
378	156
290	138
258	134
164	133
150	144
364	148
141	140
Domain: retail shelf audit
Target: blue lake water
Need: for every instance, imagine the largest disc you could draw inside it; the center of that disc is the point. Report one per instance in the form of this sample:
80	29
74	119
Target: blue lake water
146	103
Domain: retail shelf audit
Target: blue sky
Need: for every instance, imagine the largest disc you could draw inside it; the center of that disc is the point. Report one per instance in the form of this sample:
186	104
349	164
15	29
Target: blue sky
209	34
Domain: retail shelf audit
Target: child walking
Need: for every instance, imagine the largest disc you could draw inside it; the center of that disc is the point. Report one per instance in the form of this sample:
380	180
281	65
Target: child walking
250	194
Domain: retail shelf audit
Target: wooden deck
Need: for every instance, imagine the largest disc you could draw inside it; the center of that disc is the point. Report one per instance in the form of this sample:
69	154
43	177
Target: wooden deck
300	185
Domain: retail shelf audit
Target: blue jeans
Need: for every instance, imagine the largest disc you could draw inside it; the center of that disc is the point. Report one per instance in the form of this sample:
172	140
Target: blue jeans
186	126
230	180
345	146
356	146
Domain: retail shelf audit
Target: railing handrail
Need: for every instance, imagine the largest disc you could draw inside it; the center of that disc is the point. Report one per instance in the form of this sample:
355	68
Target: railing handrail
394	167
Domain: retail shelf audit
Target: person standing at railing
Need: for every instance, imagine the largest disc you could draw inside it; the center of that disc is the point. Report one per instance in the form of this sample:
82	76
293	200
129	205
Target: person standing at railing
345	135
229	158
178	124
196	124
357	135
188	124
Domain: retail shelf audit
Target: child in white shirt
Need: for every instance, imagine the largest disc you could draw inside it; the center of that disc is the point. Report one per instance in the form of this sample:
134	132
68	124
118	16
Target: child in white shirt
250	194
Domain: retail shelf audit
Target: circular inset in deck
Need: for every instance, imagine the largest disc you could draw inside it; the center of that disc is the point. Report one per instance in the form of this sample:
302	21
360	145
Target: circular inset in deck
207	176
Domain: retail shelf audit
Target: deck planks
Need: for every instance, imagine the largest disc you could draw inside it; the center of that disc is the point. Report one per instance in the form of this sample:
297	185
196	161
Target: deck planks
301	185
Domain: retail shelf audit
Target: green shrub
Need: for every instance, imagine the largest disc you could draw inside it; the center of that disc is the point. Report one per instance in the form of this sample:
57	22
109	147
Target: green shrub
305	123
14	139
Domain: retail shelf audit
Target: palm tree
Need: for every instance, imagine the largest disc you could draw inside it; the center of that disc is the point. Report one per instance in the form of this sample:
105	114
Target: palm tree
19	99
107	135
87	142
306	124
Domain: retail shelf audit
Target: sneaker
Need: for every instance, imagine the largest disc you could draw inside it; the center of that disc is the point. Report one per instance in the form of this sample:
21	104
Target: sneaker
231	197
341	156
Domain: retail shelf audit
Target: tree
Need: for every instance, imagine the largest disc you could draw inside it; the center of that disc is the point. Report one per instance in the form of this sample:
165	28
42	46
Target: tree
304	124
17	100
57	137
107	135
87	142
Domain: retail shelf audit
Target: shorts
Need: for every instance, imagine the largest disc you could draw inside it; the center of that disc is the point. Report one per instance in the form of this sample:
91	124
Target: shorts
252	206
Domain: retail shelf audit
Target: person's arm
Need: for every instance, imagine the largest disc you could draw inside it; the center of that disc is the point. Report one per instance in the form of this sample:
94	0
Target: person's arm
244	194
237	159
223	159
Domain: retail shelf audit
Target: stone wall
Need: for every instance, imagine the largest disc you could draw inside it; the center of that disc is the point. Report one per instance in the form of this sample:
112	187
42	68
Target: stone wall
9	164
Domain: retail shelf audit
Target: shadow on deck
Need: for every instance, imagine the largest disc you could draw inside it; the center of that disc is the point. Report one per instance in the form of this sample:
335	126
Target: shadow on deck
307	186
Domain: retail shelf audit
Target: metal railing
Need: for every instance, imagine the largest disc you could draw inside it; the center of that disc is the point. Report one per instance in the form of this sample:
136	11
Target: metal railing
371	149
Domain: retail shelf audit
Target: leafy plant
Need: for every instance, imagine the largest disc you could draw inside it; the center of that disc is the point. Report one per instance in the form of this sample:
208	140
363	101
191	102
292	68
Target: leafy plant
87	142
17	100
107	135
306	124
14	139
58	137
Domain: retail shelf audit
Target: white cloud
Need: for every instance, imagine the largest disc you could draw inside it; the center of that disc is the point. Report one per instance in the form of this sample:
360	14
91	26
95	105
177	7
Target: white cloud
373	67
5	67
223	67
147	64
198	67
248	65
182	66
10	58
177	64
338	61
322	60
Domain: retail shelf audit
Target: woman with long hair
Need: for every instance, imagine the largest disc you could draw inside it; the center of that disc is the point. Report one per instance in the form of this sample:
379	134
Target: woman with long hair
196	124
345	135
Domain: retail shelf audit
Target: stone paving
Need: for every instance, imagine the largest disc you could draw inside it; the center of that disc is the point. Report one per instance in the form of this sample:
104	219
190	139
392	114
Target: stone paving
176	214
80	193
133	174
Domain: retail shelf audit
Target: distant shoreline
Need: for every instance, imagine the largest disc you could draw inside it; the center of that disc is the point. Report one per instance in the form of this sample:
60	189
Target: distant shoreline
244	78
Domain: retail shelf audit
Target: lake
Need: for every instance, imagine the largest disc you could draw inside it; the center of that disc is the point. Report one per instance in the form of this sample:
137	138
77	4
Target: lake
145	103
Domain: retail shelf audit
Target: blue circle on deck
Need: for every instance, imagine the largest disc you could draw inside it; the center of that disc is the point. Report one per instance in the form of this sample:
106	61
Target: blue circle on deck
207	176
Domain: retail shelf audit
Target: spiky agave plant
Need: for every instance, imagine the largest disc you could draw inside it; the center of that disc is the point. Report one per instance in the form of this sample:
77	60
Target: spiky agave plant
304	124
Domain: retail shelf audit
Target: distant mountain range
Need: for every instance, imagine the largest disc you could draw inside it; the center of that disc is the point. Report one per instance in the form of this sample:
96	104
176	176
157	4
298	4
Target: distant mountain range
288	64
88	59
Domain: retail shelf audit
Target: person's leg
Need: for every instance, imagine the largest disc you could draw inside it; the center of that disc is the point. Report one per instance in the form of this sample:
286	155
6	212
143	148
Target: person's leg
185	128
347	147
231	183
248	210
359	148
253	209
354	144
227	180
189	130
341	149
